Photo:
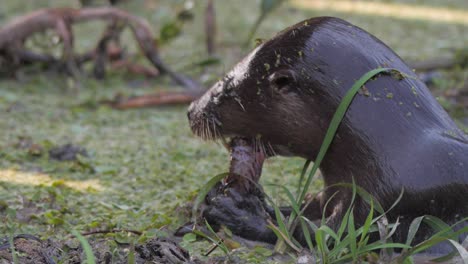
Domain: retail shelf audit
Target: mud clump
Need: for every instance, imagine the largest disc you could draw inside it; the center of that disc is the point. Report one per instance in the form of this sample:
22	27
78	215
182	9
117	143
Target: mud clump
30	249
162	251
67	152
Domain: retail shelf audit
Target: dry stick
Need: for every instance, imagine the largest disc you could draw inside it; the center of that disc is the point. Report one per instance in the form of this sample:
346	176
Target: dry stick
111	231
60	20
26	56
213	247
210	27
112	32
434	64
157	99
130	67
63	29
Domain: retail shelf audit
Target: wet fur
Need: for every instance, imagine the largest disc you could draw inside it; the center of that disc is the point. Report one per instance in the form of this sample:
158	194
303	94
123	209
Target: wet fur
394	136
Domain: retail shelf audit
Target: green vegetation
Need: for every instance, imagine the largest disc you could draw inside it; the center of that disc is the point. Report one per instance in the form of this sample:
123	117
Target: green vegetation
145	165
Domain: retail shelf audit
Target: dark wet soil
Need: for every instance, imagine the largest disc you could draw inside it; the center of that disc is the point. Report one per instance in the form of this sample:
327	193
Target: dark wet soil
32	249
67	152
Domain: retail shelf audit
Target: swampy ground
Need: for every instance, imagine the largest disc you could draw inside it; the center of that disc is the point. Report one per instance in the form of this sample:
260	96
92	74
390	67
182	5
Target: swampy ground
143	167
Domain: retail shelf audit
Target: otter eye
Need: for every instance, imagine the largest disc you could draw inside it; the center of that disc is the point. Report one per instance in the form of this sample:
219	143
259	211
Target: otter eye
281	80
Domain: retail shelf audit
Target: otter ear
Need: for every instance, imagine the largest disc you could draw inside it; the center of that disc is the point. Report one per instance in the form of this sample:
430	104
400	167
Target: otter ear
282	80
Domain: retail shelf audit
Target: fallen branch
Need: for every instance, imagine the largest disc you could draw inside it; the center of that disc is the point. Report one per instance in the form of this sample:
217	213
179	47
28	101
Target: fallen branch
108	231
14	35
210	27
135	68
156	99
459	58
434	64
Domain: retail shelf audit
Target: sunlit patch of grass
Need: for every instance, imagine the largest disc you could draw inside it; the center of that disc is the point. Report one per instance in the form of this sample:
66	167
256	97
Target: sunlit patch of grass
393	10
36	179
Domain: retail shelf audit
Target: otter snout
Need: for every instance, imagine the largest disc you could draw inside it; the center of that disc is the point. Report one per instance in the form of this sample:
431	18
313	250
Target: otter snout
199	108
191	111
202	117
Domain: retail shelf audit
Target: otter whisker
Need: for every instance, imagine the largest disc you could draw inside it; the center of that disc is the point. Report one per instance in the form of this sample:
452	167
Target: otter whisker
205	125
271	149
255	145
264	149
203	130
210	132
207	136
200	129
215	131
259	146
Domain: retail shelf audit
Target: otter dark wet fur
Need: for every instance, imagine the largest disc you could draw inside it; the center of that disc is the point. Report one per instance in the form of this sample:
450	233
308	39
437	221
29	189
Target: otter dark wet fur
394	136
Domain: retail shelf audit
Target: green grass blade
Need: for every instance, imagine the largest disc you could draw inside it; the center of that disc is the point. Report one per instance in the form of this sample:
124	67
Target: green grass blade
414	227
14	255
397	200
393	230
292	201
343	225
203	192
461	250
321	244
131	254
371	247
445	258
438	225
86	247
339	247
366	196
327	230
336	121
348	214
313	226
219	243
283	237
216	240
307	235
292	221
367	223
323	222
352	235
428	243
280	221
379	245
437	238
303	173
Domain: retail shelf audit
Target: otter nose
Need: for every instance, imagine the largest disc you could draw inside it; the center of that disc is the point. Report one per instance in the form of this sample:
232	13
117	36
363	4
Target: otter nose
190	111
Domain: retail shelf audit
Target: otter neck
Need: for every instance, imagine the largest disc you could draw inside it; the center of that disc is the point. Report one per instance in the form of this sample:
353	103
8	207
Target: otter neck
353	155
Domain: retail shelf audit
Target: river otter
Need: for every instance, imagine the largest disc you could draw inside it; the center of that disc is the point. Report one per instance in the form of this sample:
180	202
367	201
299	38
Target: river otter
394	135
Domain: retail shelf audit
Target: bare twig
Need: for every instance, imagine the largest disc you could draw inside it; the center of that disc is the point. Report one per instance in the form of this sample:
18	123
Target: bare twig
434	64
210	27
156	99
107	231
15	33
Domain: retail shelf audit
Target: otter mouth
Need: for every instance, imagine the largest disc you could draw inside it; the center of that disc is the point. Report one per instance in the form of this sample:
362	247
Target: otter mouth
247	154
210	129
246	162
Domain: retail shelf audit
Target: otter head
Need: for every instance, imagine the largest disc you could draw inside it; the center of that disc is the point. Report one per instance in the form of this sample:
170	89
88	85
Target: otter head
268	97
287	89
